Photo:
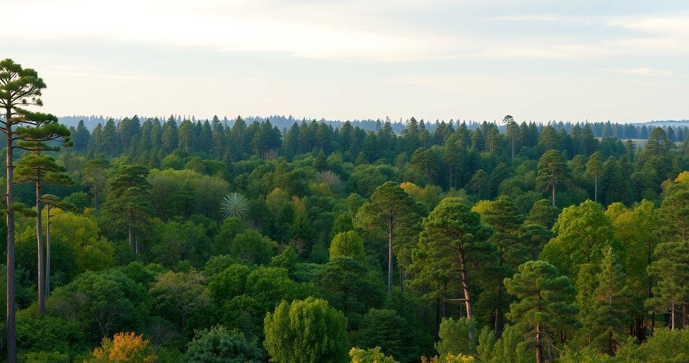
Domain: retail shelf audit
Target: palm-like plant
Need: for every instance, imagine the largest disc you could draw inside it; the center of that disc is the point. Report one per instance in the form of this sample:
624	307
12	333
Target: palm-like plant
234	205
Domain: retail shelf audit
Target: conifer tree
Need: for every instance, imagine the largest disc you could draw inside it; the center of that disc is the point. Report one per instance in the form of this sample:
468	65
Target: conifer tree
545	305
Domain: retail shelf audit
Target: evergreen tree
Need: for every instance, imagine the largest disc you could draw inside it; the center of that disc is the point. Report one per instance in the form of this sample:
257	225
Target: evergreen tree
545	305
552	171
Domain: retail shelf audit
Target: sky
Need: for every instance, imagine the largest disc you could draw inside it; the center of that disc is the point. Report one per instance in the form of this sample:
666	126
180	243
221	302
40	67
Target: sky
538	60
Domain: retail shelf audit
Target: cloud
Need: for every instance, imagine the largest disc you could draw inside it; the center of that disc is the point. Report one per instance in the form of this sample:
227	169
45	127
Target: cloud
648	72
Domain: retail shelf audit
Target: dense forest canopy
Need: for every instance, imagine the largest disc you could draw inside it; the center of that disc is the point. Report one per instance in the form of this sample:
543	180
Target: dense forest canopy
166	240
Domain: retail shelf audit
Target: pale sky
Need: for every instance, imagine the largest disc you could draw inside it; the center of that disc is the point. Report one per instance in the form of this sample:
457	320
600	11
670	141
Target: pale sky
540	60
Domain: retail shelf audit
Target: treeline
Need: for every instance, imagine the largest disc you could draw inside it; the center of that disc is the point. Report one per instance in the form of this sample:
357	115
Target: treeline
164	241
676	130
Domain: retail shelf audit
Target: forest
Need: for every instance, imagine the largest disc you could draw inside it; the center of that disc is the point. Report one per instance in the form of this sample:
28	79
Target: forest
168	240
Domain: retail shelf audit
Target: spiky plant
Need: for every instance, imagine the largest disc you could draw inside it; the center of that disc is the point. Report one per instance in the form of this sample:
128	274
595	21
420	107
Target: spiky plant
234	205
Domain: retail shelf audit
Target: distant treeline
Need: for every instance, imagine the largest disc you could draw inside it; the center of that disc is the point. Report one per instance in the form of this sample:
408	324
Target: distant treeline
676	130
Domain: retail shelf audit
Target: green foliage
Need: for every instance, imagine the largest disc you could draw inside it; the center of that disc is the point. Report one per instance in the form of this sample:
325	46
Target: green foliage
545	304
306	331
252	247
373	355
348	286
101	303
348	244
455	337
220	345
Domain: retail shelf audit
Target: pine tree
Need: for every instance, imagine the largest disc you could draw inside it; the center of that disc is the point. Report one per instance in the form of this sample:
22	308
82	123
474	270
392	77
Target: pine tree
671	274
454	243
552	171
612	301
594	167
545	305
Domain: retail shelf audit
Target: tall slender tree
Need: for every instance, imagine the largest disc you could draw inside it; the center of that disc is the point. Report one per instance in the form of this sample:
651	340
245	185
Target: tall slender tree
552	171
545	304
594	167
454	243
390	207
20	88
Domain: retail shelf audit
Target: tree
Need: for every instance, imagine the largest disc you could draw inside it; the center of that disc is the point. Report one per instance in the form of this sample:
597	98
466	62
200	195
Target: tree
552	171
129	205
504	217
453	242
675	212
347	286
594	167
671	274
610	317
388	331
373	355
455	337
583	233
391	208
40	169
512	130
306	331
19	88
544	306
348	244
252	247
123	347
101	303
543	214
219	345
95	177
184	292
479	181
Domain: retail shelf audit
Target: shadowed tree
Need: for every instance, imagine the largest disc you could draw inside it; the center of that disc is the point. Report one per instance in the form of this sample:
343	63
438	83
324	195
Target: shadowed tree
129	205
95	177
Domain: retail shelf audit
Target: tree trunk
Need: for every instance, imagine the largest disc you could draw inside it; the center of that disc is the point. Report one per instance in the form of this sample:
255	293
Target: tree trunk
401	272
672	316
467	296
47	252
39	241
513	146
11	323
539	344
131	237
390	271
595	188
554	194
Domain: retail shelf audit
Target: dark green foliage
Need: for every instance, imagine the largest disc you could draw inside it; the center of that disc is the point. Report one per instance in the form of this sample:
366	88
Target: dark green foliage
220	345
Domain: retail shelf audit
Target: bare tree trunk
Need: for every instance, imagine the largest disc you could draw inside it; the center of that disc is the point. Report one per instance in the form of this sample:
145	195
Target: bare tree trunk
553	194
401	272
390	270
11	322
39	241
539	344
47	252
467	296
595	188
672	316
131	237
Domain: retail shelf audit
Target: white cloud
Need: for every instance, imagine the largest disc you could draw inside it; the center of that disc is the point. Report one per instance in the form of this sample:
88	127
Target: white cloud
648	72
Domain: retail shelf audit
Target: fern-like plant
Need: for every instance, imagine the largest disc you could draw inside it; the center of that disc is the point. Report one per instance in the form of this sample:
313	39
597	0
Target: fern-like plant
234	205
